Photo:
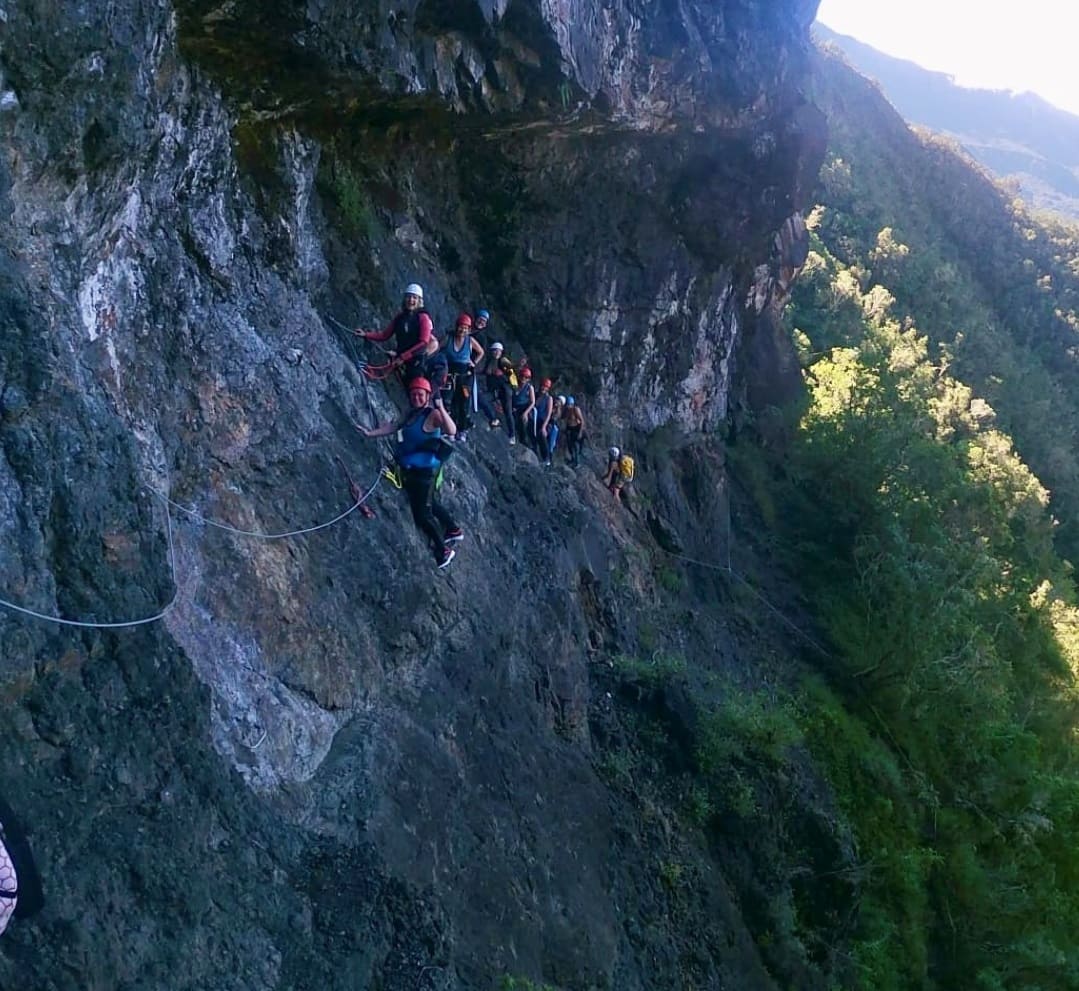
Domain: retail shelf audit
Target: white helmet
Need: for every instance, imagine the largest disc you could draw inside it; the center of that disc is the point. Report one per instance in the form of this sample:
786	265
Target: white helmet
614	453
414	289
561	399
497	346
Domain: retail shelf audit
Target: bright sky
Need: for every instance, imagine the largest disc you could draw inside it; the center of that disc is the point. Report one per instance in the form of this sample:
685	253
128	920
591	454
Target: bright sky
993	44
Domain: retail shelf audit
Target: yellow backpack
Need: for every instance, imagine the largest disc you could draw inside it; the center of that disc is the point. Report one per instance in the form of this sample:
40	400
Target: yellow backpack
625	467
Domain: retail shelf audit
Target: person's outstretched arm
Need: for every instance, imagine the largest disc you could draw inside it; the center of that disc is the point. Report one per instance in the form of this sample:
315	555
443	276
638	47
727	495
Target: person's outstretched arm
376	335
382	430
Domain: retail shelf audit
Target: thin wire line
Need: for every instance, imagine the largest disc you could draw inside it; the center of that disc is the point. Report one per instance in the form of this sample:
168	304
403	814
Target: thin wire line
347	335
113	626
172	563
348	331
269	536
745	581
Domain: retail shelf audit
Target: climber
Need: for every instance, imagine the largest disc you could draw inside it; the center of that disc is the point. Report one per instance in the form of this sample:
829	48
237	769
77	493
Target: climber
573	423
480	320
20	884
411	328
495	370
619	472
464	353
553	428
521	367
543	413
524	404
422	447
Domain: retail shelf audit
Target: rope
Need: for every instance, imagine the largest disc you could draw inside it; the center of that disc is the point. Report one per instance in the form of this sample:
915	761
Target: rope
350	334
269	536
113	626
161	614
367	370
349	343
378	373
728	570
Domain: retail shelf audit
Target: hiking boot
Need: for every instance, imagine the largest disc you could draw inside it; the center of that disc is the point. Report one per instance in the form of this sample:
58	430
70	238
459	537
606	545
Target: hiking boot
448	554
454	535
494	423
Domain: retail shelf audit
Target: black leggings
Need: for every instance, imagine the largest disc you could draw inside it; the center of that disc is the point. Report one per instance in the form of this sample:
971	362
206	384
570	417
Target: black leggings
432	520
461	405
573	445
543	445
500	390
523	426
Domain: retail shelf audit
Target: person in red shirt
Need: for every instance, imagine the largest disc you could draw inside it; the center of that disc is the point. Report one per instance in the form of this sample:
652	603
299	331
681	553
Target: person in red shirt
412	330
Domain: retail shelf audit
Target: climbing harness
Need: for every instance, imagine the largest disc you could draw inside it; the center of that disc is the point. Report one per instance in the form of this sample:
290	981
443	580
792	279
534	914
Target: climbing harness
378	373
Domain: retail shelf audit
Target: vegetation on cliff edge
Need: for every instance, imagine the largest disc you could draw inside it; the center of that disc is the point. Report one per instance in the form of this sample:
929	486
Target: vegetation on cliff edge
936	322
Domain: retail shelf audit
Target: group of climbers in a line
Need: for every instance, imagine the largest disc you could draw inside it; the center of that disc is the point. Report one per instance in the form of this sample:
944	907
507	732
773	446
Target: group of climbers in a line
443	386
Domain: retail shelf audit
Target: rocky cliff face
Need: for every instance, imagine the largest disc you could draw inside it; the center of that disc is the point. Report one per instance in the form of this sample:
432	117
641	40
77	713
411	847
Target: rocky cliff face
325	767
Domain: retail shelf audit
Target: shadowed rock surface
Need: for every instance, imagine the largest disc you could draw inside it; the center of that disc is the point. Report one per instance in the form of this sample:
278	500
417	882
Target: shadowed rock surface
328	766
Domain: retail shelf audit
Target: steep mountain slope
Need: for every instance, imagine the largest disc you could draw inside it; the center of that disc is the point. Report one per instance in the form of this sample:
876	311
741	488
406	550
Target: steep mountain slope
999	290
1017	136
326	767
927	498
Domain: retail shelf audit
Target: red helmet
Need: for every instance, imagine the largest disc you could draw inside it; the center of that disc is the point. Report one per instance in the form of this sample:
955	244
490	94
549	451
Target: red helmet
464	320
546	384
526	373
419	382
